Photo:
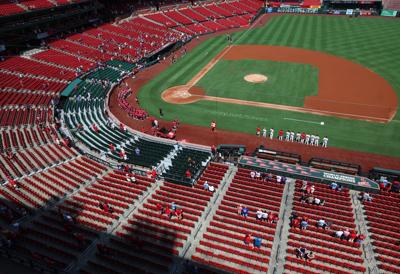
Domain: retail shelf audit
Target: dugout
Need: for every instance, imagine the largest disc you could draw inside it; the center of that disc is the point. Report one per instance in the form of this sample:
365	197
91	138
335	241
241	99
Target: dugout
391	175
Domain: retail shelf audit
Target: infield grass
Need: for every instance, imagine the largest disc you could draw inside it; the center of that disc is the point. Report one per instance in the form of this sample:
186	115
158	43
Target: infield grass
287	84
371	42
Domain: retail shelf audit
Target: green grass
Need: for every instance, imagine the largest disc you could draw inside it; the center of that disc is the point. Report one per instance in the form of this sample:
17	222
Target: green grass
277	90
371	42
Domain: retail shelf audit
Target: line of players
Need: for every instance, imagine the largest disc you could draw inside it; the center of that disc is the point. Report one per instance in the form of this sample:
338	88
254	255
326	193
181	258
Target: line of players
291	136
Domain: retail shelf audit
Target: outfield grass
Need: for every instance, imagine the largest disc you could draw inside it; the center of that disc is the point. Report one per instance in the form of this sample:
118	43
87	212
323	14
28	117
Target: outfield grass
372	42
225	79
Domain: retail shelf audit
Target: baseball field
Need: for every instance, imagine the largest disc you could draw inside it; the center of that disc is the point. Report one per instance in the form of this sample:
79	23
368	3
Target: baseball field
331	76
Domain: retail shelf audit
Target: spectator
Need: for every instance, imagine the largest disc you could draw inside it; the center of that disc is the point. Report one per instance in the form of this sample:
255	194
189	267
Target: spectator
304	223
304	186
258	175
154	173
252	174
283	180
247	239
339	234
259	214
68	218
205	185
257	242
301	252
366	197
179	213
168	212
239	209
264	215
323	224
293	216
346	234
309	256
112	147
334	186
173	206
353	236
278	179
188	174
160	208
137	151
318	201
359	239
13	184
310	189
295	223
245	212
309	200
131	178
211	188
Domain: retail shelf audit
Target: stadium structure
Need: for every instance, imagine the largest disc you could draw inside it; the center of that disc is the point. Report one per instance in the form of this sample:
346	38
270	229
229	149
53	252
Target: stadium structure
236	136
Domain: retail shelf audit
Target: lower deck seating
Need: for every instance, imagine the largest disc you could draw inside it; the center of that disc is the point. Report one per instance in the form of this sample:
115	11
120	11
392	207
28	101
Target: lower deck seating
222	245
149	240
42	188
332	254
58	237
383	224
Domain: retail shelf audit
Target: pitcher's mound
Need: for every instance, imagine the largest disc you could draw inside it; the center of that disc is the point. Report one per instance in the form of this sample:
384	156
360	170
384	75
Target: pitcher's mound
255	78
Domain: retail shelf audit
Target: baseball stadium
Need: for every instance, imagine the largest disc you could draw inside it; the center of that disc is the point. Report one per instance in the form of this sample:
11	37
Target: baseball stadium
180	137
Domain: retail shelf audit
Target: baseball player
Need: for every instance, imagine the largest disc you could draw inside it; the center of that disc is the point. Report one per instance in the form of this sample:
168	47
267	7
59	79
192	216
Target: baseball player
298	135
287	136
213	125
325	141
307	139
292	136
264	133
316	141
312	138
303	137
258	131
271	133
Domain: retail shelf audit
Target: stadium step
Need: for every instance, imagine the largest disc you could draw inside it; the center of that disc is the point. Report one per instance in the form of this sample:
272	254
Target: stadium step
368	254
51	64
282	229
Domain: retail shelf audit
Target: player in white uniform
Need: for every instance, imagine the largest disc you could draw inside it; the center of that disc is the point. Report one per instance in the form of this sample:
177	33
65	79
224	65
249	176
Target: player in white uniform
271	133
307	139
325	141
291	136
312	138
298	137
287	136
316	142
264	132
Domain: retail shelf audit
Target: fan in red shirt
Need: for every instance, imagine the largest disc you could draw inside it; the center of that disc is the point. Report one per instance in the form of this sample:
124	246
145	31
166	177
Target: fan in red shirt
295	223
168	212
178	213
95	128
112	147
353	236
247	239
188	174
280	135
160	208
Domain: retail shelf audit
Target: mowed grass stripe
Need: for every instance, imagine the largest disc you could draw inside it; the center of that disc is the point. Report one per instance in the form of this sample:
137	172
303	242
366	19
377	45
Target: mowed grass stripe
371	42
